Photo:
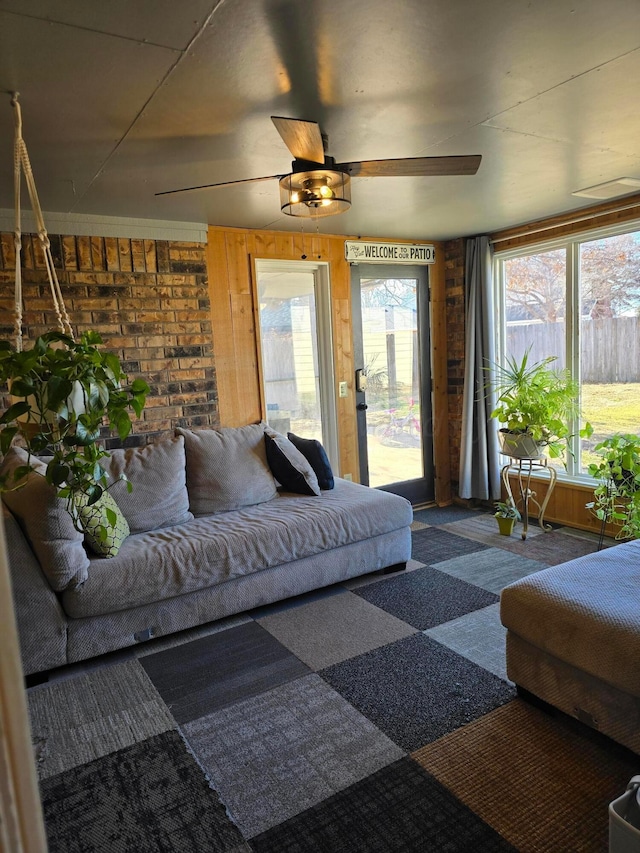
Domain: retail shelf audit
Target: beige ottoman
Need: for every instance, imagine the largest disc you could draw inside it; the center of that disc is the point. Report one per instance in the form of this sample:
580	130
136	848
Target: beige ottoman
573	639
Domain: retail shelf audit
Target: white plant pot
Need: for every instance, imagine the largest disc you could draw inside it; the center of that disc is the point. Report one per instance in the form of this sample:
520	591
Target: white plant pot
519	445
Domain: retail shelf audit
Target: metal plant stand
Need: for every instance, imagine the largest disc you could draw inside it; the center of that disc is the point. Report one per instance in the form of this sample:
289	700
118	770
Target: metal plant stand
523	469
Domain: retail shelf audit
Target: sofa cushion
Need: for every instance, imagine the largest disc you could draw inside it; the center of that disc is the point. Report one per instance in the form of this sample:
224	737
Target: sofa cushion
46	523
227	468
157	473
209	550
105	527
317	457
290	468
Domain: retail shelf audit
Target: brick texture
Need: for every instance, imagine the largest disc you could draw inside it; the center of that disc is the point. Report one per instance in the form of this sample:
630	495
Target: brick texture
454	294
150	302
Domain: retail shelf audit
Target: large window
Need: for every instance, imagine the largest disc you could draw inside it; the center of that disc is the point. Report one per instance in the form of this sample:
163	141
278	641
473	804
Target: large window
579	300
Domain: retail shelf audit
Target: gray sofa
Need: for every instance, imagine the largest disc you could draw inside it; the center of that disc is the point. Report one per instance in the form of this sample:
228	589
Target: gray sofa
211	535
573	639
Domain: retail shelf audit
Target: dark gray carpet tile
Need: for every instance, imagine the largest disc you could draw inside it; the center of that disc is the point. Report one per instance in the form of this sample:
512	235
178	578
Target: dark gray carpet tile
149	798
444	514
277	754
432	544
399	809
215	671
416	690
426	597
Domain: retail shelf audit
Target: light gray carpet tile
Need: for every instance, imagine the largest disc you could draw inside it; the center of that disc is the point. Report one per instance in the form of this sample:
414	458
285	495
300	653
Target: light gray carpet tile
376	577
80	719
276	754
334	629
478	636
418	525
492	569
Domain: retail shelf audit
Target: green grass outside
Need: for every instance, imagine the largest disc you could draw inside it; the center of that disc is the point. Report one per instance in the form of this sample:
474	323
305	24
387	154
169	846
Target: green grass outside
609	409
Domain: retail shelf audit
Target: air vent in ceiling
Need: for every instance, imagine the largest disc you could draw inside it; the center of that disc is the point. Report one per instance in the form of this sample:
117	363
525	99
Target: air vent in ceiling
611	189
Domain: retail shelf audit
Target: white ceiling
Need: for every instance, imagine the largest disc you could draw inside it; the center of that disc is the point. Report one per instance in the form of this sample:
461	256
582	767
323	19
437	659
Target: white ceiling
125	98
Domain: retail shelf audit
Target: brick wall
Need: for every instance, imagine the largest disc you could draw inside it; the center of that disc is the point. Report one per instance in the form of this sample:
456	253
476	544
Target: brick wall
454	293
150	302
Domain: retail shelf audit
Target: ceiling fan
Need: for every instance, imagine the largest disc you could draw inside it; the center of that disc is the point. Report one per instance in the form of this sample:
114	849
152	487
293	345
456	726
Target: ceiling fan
318	186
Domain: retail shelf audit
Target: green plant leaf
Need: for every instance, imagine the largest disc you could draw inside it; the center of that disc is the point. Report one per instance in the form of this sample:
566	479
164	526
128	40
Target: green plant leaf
22	386
14	411
6	438
57	473
122	423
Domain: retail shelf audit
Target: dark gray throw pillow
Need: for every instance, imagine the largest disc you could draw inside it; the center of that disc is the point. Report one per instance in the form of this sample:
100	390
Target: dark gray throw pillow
289	466
317	457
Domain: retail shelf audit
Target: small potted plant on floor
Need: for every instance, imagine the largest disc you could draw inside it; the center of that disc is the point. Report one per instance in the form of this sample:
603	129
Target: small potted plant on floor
537	405
506	514
64	391
617	495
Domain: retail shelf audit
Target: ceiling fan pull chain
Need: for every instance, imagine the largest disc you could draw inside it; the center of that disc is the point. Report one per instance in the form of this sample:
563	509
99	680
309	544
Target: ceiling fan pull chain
23	164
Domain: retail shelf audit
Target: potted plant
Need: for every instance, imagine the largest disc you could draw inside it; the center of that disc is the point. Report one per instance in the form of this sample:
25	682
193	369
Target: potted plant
506	514
617	495
64	391
537	405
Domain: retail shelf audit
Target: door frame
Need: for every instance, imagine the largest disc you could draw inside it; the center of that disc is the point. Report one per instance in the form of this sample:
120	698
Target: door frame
422	489
324	328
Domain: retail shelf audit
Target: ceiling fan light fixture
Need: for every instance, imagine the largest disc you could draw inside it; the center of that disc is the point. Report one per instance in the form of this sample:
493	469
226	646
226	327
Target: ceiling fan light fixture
321	192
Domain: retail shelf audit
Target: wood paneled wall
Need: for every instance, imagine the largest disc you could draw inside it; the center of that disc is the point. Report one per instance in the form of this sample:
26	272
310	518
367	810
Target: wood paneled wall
230	257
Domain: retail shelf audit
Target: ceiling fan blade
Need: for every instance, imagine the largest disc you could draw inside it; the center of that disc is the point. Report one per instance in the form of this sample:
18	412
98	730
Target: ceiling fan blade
414	167
302	138
223	184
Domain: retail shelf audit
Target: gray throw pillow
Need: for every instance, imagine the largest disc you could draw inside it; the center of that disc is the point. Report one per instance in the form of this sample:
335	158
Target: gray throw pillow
227	468
46	523
157	473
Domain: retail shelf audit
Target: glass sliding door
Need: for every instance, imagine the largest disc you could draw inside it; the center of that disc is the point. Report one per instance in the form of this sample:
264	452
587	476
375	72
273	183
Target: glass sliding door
391	323
296	353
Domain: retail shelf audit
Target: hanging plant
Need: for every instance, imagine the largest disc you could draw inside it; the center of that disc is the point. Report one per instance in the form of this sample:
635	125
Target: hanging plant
64	393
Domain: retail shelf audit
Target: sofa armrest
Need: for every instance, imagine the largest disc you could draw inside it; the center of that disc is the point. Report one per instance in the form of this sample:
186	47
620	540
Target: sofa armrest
42	624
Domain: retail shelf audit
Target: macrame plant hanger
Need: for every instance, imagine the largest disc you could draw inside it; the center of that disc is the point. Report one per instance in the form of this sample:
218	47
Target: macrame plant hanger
22	165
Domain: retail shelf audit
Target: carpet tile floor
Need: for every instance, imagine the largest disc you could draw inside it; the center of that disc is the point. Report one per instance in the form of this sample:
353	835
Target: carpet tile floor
374	716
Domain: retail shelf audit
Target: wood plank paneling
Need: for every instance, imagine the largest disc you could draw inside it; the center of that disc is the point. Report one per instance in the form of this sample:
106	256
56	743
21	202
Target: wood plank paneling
230	257
438	312
567	504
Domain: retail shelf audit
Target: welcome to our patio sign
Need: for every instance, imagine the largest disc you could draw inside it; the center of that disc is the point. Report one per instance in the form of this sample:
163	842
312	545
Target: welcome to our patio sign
360	252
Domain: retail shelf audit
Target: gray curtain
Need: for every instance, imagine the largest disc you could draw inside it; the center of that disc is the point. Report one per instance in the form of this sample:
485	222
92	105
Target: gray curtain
479	465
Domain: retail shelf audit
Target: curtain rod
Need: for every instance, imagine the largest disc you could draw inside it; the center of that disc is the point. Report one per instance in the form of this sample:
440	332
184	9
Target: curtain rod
572	221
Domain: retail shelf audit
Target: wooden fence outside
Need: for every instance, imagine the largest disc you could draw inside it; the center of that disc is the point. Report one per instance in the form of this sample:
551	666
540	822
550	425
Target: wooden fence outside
610	347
